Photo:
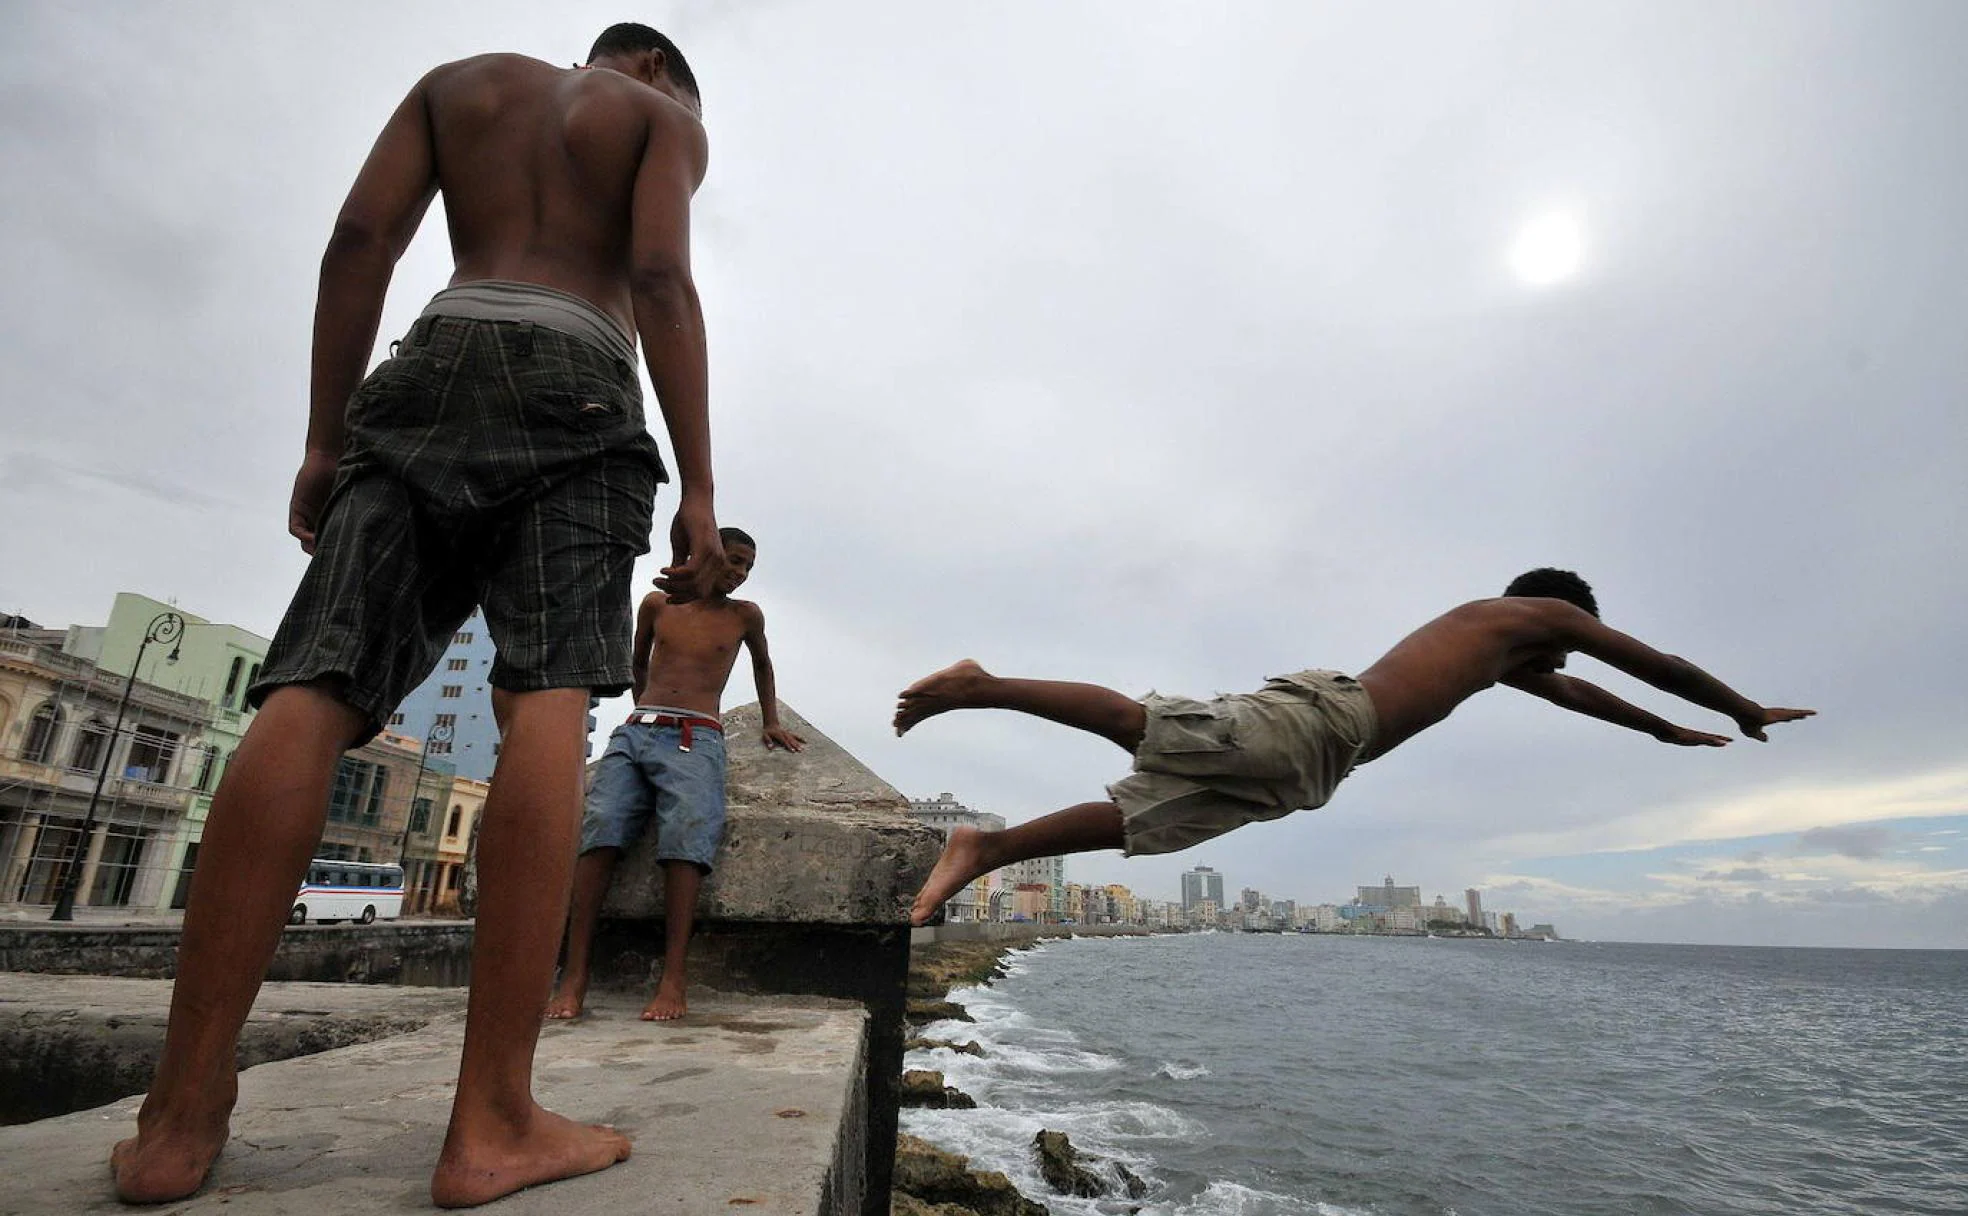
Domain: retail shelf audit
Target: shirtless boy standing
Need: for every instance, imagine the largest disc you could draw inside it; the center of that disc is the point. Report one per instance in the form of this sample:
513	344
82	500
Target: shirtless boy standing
1203	768
667	763
498	459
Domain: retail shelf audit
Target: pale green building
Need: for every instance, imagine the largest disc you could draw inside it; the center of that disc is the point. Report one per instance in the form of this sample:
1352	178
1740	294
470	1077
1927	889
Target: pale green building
214	662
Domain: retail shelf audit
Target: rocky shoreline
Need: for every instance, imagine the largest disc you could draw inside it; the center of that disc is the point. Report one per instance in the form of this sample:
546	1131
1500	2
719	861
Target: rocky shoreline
932	1182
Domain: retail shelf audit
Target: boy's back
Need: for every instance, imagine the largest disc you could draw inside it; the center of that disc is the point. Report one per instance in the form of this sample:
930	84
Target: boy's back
1460	653
538	167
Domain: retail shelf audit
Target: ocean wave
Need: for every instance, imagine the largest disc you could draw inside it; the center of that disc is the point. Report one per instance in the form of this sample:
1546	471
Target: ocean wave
1181	1070
1231	1199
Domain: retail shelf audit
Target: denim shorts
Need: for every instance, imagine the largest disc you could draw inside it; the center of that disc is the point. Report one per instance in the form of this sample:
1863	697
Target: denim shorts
645	772
487	463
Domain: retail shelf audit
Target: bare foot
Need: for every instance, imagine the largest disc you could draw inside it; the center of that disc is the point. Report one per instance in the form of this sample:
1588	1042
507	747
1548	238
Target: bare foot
163	1162
666	1006
568	998
478	1168
962	861
955	687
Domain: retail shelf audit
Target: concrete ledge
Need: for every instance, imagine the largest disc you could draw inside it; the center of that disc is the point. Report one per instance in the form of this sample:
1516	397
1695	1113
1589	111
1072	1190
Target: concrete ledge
398	952
748	1104
72	1042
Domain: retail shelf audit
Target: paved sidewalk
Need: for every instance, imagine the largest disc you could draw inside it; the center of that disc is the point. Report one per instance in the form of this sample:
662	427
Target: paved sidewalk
736	1108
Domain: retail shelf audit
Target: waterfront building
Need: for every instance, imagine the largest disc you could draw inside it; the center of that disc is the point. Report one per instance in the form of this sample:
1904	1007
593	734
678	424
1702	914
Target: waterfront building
210	661
1387	895
1510	924
946	814
1473	904
1200	884
375	790
1441	912
442	815
1047	872
458	695
58	738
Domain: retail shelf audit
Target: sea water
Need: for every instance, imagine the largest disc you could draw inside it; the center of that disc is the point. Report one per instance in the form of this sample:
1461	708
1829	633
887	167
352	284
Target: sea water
1287	1075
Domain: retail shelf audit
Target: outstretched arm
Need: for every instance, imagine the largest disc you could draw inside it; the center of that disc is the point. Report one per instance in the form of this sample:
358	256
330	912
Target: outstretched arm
377	220
775	734
1585	697
1670	673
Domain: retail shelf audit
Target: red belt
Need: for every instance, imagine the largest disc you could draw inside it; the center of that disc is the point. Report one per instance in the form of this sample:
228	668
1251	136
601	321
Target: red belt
683	722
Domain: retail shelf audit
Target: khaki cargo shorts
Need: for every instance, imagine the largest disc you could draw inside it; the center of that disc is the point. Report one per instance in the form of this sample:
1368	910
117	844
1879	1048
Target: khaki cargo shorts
1205	767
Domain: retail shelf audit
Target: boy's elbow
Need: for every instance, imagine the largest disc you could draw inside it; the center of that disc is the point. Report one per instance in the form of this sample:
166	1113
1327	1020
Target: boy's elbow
663	288
356	239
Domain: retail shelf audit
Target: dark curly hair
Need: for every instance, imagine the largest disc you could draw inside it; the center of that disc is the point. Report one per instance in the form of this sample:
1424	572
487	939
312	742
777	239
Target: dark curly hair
1554	584
737	536
629	38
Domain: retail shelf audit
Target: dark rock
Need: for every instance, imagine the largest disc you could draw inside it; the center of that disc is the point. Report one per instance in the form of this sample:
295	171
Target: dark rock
1058	1165
943	1184
962	1049
922	1012
1135	1187
924	1087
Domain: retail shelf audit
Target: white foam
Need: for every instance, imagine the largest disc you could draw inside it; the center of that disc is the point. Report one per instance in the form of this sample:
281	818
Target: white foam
1232	1199
1181	1070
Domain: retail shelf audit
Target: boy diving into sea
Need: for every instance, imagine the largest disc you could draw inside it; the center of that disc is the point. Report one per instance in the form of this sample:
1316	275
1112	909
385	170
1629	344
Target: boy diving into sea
1204	768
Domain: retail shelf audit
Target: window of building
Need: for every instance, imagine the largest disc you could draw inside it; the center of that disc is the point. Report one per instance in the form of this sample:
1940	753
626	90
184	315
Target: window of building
207	768
420	815
151	753
396	720
445	720
372	814
463	638
232	682
451	692
90	744
457	817
438	747
41	728
458	665
252	678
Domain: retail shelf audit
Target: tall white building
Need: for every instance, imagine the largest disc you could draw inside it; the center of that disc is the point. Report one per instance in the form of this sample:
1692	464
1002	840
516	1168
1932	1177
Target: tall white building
946	814
1473	901
1200	884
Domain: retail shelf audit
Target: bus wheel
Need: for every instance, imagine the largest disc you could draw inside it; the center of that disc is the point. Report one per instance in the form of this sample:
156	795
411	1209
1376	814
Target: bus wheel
298	916
369	915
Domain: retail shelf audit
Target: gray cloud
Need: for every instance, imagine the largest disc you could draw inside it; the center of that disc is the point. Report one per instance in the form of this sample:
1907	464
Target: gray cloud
1162	353
1863	842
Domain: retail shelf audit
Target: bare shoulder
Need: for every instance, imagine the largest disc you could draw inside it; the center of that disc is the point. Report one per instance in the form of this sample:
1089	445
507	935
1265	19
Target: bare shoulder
654	602
503	64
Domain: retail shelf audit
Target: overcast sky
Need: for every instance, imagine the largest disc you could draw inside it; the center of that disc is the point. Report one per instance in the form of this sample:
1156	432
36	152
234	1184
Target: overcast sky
1165	346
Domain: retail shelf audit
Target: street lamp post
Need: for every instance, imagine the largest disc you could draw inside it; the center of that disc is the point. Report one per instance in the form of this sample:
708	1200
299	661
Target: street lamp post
164	627
439	733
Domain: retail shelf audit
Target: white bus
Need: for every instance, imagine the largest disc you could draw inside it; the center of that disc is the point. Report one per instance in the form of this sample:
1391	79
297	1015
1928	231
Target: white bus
348	890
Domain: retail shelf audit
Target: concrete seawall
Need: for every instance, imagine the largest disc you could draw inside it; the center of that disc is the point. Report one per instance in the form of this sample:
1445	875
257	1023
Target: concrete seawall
777	1093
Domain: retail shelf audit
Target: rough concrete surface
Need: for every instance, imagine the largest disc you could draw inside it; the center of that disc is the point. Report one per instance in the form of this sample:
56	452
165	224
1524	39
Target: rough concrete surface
69	1042
812	837
737	1108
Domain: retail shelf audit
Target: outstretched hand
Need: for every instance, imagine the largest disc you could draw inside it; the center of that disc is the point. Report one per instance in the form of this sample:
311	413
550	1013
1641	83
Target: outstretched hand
1682	736
696	554
779	736
1753	726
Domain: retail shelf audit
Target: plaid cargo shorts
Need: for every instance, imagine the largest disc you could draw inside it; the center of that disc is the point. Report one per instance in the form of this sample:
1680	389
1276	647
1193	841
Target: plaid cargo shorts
488	463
